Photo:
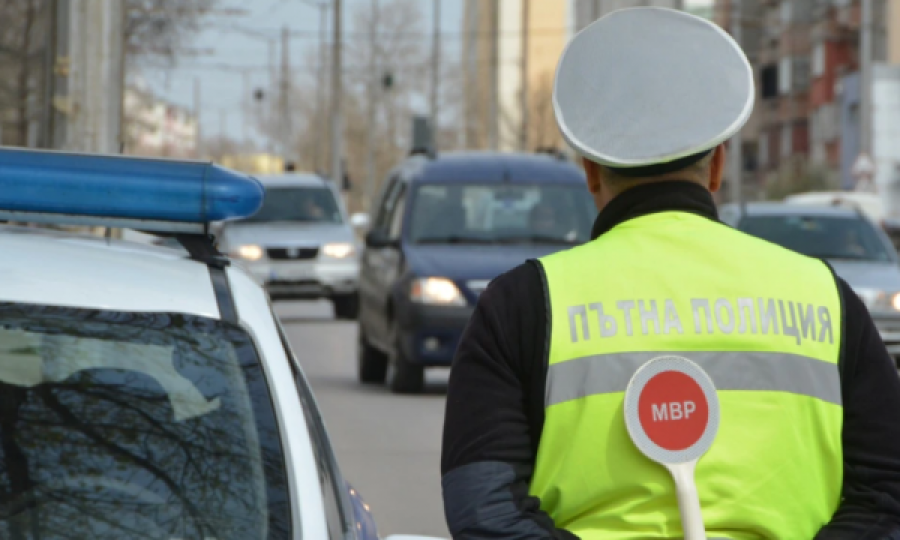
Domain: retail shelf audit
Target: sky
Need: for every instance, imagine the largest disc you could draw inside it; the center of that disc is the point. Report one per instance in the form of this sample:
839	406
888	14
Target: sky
228	57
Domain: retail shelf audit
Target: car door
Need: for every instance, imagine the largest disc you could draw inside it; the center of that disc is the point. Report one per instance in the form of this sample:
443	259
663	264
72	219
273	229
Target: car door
392	259
373	284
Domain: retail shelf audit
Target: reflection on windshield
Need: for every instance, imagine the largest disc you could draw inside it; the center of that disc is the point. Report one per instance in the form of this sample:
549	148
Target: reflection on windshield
120	425
501	213
303	204
821	237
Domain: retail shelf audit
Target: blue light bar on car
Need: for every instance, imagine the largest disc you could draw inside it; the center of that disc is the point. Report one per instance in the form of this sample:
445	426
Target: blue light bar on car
121	191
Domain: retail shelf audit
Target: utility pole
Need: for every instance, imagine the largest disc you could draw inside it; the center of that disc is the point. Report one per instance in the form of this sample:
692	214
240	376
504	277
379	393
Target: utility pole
865	52
493	67
197	119
285	98
245	105
737	158
526	27
435	71
50	55
373	91
321	117
96	83
336	93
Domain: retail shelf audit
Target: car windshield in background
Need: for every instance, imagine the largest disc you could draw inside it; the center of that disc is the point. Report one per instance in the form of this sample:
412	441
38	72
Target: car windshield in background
501	213
304	204
117	425
823	237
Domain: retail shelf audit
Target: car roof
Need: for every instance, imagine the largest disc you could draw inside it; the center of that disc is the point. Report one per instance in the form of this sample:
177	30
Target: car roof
495	167
58	268
292	180
787	209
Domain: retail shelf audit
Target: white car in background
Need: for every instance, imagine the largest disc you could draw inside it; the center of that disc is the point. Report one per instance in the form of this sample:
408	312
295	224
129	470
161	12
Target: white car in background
149	392
301	244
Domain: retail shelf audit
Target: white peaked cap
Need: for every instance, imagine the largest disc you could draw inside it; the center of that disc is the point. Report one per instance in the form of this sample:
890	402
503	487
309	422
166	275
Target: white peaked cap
646	87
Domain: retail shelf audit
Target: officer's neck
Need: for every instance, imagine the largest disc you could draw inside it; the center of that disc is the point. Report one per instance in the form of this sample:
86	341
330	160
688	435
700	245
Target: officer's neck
653	197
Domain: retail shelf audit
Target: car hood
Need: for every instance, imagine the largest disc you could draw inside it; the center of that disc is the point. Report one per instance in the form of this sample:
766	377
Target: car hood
865	276
286	234
472	262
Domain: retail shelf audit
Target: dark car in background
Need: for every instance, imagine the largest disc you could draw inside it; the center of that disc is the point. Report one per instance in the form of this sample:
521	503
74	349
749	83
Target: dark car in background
859	251
443	228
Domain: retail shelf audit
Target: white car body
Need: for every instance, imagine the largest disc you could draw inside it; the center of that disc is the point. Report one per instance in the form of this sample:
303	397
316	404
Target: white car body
80	271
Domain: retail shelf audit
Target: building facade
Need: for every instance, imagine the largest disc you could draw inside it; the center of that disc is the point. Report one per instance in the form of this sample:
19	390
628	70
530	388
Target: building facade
154	127
807	69
508	68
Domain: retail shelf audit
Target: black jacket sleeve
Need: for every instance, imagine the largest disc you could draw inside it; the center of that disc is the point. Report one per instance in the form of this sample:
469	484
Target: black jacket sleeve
870	506
494	414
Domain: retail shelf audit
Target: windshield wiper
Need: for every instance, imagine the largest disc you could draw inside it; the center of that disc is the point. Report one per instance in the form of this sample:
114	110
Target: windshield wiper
455	239
845	257
537	239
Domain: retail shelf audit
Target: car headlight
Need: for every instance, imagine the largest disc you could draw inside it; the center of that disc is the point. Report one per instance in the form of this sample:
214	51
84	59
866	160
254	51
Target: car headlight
886	301
338	251
436	291
250	252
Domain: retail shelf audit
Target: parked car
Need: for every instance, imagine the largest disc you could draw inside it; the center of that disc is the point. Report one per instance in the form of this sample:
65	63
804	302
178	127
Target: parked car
444	226
149	392
301	244
859	251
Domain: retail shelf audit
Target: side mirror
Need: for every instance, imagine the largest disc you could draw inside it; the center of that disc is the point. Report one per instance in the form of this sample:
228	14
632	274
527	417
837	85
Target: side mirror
412	537
359	221
377	239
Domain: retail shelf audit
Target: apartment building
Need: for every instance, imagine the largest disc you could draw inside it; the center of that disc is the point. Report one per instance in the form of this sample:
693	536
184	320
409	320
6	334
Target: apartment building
807	71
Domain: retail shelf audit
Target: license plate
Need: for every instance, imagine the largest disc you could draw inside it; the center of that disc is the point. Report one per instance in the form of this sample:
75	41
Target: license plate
291	273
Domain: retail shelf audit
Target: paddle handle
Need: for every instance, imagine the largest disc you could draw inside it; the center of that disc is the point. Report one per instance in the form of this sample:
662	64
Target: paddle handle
688	500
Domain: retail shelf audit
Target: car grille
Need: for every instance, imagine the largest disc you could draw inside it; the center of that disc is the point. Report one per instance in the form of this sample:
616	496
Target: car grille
291	254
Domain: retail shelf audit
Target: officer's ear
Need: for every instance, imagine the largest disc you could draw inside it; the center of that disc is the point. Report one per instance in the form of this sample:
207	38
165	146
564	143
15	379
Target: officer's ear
593	174
717	168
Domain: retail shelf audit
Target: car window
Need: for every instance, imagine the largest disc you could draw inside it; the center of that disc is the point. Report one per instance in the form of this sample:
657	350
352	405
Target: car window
397	215
501	213
163	421
382	222
300	204
823	237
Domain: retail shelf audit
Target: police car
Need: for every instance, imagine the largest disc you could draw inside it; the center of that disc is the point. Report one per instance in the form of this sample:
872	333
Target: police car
147	392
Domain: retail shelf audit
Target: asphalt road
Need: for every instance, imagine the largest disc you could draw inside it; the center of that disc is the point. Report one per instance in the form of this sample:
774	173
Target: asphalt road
388	445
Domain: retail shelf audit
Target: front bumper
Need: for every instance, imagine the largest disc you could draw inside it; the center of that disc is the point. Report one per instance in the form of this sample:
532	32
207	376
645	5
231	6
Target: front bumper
889	328
429	335
308	279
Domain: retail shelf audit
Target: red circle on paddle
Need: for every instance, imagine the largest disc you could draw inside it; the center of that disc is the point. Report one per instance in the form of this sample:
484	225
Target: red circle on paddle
673	411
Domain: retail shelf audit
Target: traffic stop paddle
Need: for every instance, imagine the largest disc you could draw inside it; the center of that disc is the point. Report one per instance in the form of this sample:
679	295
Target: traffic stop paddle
672	415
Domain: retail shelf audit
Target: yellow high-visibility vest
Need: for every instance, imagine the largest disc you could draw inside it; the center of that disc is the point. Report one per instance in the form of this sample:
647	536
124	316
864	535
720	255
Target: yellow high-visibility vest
765	323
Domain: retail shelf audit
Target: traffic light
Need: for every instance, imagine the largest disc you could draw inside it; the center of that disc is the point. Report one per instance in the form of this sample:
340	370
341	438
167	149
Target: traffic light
387	80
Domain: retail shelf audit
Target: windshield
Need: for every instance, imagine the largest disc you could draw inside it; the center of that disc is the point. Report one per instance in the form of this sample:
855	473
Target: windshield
303	204
823	237
119	425
501	213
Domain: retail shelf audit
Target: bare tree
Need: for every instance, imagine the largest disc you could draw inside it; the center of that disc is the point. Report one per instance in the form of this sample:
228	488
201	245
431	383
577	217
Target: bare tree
543	131
156	30
401	54
21	48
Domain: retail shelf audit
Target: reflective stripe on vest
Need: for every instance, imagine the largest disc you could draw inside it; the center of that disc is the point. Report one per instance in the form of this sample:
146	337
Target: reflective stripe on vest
764	322
729	370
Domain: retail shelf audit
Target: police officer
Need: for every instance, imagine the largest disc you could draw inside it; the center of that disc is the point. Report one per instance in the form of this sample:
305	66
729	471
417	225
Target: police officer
535	443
